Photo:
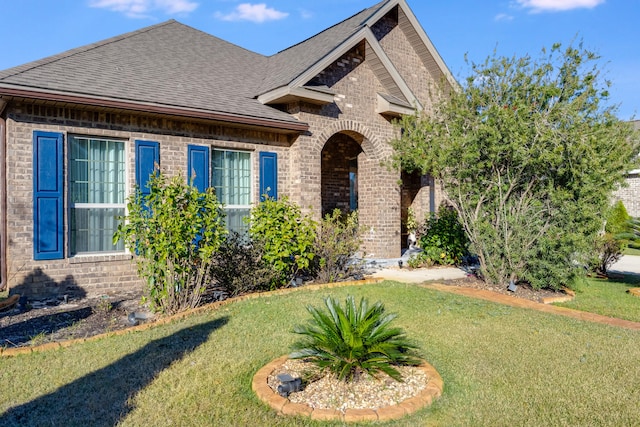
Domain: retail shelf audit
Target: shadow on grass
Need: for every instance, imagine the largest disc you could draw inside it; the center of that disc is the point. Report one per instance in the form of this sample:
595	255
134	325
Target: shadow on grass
626	277
103	397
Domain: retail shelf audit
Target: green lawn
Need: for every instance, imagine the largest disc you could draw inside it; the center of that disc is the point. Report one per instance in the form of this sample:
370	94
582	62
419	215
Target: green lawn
608	297
631	251
501	366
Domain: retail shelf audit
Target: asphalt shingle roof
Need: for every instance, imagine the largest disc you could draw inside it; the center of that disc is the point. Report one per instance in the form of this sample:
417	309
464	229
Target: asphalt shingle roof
172	64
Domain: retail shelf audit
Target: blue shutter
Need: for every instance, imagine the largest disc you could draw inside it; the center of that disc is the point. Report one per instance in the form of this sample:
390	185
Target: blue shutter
268	175
48	188
147	157
198	166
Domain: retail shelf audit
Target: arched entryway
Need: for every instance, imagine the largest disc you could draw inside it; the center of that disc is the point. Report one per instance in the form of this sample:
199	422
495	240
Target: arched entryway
339	179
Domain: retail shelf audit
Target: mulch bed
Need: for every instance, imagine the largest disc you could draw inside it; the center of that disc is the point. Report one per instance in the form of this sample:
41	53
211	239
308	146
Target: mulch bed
523	291
53	320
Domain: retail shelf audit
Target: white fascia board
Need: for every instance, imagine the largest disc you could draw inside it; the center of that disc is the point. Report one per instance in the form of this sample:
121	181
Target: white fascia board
327	60
285	92
385	107
391	69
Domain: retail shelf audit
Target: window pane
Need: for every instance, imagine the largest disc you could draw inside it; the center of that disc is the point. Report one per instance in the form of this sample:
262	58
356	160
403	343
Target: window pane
235	219
97	176
92	230
232	181
97	171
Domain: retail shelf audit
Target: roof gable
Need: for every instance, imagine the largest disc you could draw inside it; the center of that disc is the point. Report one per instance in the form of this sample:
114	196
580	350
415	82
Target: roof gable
295	67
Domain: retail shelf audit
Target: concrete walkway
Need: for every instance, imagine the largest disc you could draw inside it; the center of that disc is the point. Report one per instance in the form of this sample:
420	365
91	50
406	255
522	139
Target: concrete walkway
628	265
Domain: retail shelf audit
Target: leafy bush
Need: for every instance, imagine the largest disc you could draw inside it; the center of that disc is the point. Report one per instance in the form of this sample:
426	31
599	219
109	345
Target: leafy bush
608	250
337	242
238	267
444	240
174	231
528	154
426	258
354	340
617	219
286	237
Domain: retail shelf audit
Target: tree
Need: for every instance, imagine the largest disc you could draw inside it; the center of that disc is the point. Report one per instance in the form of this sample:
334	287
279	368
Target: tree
175	231
528	154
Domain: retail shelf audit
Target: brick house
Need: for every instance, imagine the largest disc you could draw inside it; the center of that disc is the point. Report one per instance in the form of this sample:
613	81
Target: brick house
80	129
630	195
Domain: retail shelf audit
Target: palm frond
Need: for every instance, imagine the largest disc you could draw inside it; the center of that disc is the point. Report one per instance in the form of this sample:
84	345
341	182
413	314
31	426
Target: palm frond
356	338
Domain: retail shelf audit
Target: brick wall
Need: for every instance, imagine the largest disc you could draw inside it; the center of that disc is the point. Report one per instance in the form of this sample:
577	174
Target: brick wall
353	114
103	274
630	195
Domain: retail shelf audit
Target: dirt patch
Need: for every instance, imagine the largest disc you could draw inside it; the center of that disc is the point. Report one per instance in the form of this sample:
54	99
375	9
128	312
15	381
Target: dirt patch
53	320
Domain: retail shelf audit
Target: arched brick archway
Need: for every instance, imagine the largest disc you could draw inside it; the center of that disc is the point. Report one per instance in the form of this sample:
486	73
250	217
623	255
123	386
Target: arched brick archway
346	147
371	145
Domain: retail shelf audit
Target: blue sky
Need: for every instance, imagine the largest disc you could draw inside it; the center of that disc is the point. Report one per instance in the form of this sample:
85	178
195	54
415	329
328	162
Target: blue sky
33	29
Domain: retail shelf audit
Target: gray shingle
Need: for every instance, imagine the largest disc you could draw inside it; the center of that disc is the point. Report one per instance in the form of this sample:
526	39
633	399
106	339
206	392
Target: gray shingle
168	64
171	64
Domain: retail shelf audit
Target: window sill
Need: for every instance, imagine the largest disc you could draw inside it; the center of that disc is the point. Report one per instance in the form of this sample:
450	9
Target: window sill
81	259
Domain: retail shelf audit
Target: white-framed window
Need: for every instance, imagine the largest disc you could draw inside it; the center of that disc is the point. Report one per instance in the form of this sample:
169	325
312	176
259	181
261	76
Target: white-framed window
97	193
231	172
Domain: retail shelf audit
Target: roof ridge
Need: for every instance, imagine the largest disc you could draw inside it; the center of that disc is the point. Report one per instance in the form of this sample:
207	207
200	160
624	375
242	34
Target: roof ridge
374	9
20	69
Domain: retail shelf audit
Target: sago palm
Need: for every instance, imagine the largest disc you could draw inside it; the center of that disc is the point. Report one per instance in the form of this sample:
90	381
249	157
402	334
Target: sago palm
354	340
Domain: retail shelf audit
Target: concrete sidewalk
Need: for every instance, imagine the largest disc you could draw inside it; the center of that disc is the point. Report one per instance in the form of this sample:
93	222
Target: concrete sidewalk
628	264
420	275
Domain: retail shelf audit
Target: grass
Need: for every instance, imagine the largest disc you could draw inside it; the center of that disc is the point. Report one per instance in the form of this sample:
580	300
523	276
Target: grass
631	251
501	366
608	297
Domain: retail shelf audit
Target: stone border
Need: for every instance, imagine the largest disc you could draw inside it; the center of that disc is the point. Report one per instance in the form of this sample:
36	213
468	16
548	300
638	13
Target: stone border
569	296
283	406
634	291
15	351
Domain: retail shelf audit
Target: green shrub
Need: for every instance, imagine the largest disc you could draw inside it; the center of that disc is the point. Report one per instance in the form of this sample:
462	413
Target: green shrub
337	242
617	219
608	251
426	258
444	239
286	236
238	267
355	340
174	231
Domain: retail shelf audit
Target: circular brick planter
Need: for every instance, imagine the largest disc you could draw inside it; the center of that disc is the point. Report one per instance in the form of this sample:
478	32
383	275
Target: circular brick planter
285	407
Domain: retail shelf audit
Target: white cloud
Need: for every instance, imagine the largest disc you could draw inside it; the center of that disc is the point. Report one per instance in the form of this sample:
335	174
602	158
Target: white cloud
503	17
252	12
558	5
176	6
141	8
305	14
